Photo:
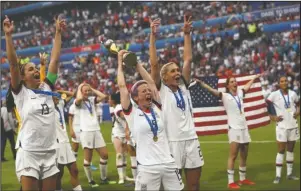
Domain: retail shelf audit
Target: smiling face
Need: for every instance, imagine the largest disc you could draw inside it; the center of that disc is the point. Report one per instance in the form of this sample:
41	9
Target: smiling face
231	84
86	90
171	75
143	97
283	83
30	75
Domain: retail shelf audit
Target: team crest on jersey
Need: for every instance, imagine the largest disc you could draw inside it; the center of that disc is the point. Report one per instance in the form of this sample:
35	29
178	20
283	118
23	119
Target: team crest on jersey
27	169
143	187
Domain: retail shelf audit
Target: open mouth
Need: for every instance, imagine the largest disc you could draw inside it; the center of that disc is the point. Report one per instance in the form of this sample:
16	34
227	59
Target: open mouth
178	78
36	76
148	98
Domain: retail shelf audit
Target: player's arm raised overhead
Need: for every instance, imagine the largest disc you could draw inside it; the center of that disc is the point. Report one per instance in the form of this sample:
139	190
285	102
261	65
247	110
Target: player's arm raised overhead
124	93
249	84
155	68
43	59
187	56
146	76
209	88
8	28
79	95
99	96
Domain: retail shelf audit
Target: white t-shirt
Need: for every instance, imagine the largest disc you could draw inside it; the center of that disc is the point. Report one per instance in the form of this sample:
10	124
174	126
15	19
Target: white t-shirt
61	131
236	119
74	111
88	121
99	111
179	124
37	113
7	119
288	122
119	123
148	151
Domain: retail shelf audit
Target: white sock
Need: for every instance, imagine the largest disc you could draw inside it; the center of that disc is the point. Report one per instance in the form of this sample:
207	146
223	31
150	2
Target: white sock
119	165
242	173
75	154
134	166
230	176
78	188
124	164
88	170
289	162
279	161
103	168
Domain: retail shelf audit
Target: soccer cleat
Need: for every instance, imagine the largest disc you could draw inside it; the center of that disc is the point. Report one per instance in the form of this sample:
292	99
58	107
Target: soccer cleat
129	179
277	180
246	182
93	184
121	181
92	167
107	181
130	184
233	186
292	177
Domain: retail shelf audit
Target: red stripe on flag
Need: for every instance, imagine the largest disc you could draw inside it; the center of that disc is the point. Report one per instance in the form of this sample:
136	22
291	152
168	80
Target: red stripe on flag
210	123
239	83
256	125
258	116
251	99
255	107
252	90
209	113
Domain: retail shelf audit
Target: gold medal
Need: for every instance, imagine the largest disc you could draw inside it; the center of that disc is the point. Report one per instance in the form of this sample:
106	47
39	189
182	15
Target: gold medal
91	114
155	138
289	109
64	96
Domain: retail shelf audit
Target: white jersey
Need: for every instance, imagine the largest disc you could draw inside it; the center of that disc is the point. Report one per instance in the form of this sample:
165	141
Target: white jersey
148	151
74	111
119	123
61	131
179	124
37	113
8	120
88	117
236	117
99	111
288	122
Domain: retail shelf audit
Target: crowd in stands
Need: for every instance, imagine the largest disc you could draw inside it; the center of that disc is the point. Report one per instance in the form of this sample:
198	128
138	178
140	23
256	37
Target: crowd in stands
14	4
276	54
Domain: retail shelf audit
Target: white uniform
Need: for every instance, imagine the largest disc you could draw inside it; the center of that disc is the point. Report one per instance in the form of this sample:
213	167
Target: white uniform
74	111
64	152
90	135
238	128
287	129
7	119
99	111
119	124
155	162
36	140
180	129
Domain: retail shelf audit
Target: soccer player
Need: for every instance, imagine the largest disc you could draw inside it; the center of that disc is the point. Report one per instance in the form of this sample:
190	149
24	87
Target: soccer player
65	155
36	140
177	108
284	108
238	132
90	136
156	164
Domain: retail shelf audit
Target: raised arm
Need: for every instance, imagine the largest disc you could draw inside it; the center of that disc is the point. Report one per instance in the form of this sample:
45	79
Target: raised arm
100	96
146	76
79	95
155	68
43	60
210	89
249	84
187	56
56	50
124	93
8	28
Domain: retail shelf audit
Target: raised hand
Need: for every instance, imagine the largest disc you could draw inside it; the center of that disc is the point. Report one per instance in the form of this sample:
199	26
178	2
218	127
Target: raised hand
187	28
8	26
154	25
43	58
120	56
60	24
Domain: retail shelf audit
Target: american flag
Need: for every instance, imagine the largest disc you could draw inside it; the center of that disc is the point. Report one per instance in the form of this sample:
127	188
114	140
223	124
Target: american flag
209	114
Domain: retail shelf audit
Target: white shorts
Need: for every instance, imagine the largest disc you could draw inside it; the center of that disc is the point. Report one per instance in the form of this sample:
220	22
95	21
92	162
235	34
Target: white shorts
77	137
92	139
65	154
151	177
239	135
187	154
37	164
285	135
122	138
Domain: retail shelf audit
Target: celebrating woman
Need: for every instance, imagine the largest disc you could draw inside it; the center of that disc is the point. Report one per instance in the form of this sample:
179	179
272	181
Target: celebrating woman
37	138
177	112
156	164
284	108
238	132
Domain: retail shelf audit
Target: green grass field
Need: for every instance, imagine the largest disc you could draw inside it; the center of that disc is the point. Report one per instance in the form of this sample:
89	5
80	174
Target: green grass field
260	167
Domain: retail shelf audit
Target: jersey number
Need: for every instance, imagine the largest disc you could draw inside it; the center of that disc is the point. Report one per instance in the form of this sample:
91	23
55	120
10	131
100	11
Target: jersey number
178	176
200	152
45	109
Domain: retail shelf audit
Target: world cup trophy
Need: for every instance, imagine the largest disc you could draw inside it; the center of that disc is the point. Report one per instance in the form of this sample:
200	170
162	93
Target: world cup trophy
129	59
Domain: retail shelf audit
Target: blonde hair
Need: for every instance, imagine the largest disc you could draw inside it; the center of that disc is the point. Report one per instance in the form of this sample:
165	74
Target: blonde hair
164	68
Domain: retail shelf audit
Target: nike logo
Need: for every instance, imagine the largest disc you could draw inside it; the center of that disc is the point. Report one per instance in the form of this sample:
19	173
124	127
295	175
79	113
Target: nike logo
33	98
141	115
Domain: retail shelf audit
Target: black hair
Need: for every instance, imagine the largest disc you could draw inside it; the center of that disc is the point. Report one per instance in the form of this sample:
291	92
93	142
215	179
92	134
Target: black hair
281	76
116	97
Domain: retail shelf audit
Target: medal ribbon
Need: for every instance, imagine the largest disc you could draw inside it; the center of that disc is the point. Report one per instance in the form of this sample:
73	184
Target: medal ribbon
287	103
47	93
180	103
237	102
152	123
89	106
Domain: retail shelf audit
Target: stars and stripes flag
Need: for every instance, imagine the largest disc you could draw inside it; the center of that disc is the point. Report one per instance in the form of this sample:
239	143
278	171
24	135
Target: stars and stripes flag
209	114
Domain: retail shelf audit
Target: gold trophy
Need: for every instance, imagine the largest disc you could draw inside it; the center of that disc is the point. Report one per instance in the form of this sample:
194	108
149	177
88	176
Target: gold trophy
129	59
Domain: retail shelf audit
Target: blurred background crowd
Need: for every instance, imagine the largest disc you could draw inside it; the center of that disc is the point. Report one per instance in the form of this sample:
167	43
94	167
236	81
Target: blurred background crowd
245	52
